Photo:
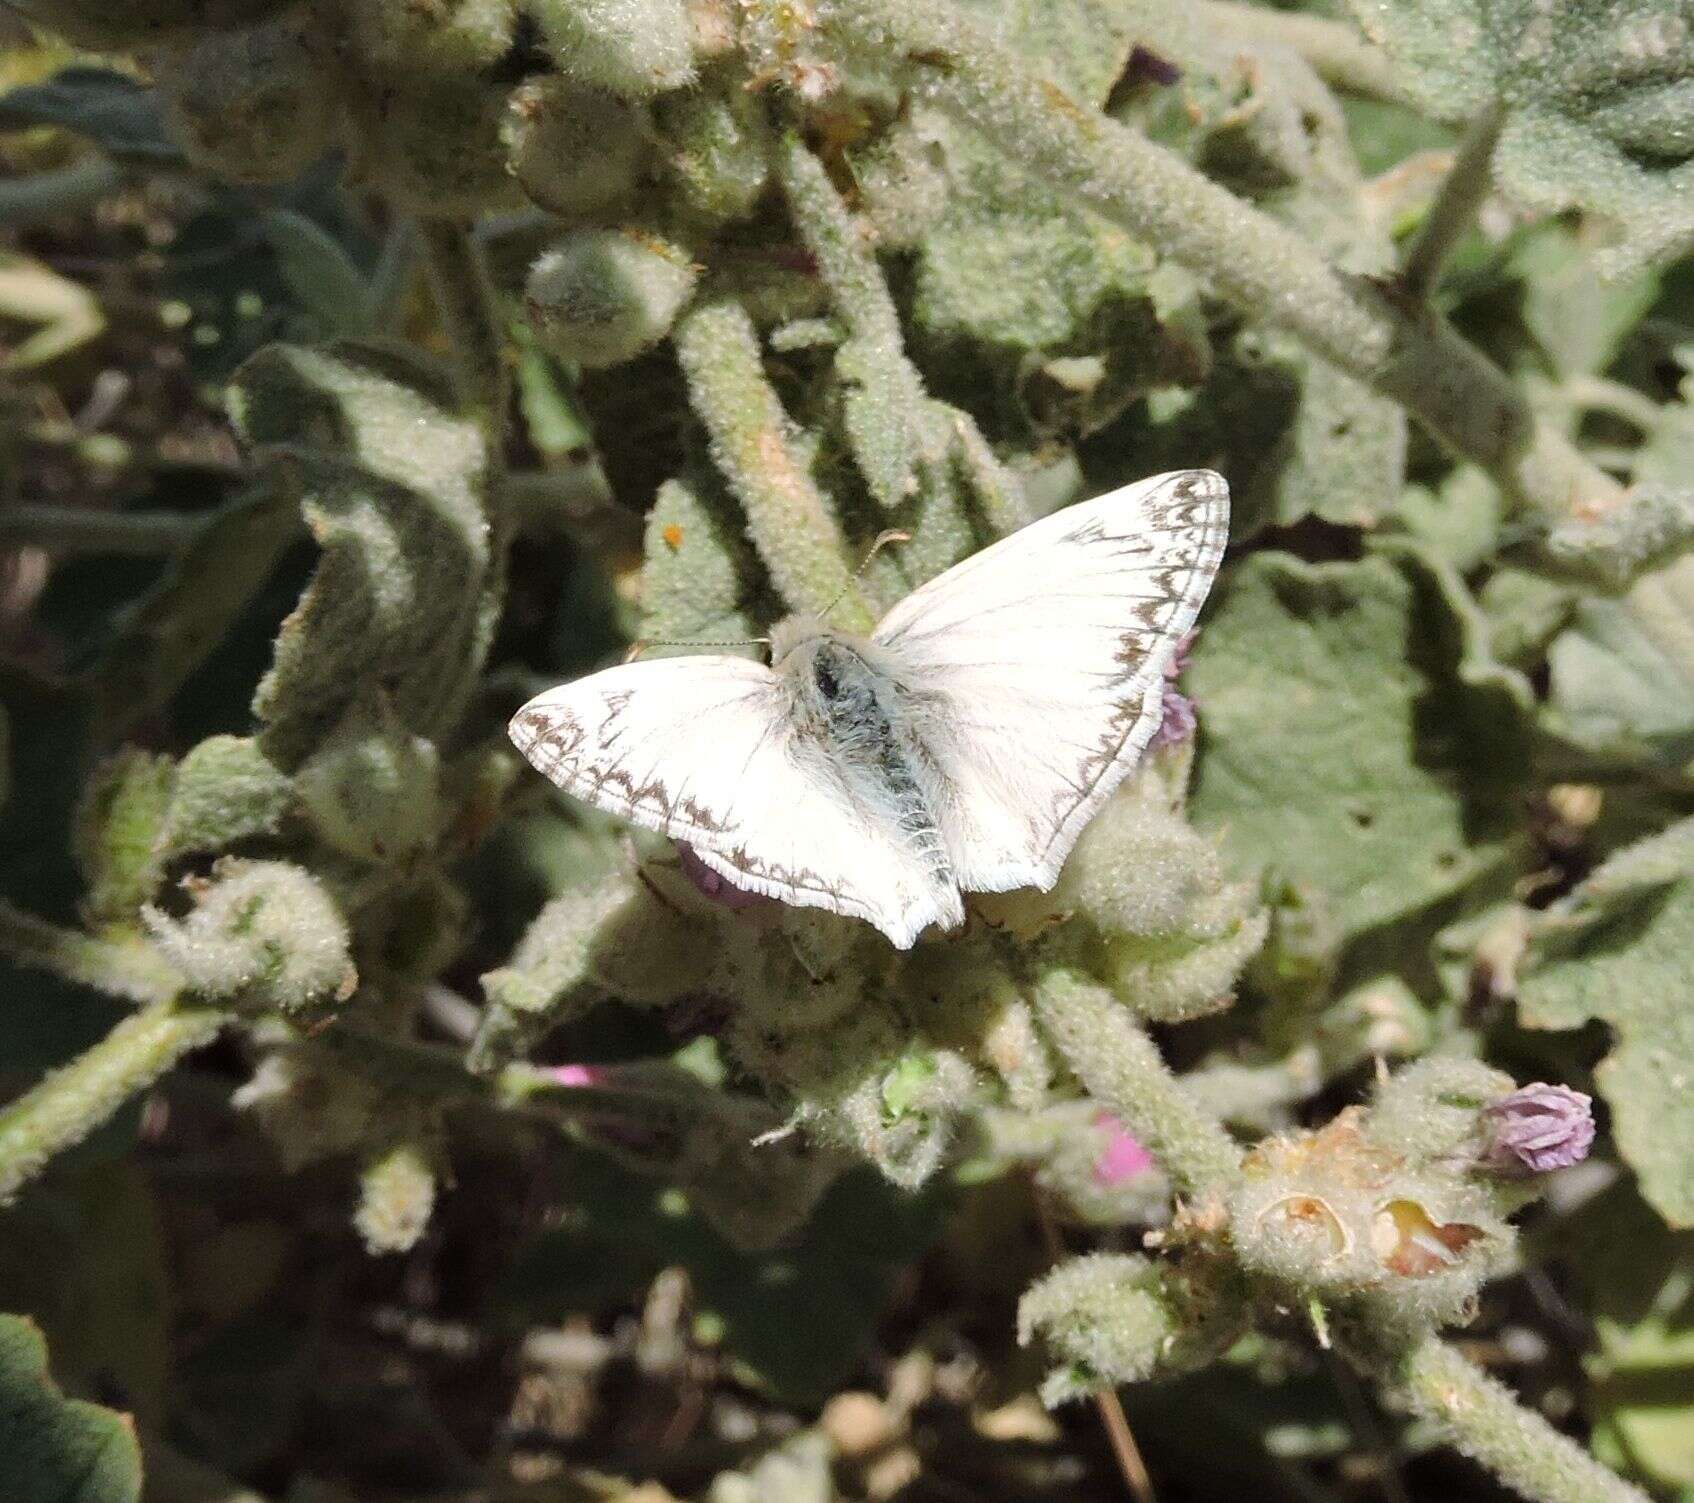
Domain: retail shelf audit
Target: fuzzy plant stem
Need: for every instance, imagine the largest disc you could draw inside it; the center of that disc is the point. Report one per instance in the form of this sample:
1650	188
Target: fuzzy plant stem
465	298
1480	1417
787	519
1265	268
133	972
855	282
1120	1067
71	1102
48	195
1462	191
67	530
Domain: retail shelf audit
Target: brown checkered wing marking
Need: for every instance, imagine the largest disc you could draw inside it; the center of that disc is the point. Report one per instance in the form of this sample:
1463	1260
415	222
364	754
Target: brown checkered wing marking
704	749
1036	668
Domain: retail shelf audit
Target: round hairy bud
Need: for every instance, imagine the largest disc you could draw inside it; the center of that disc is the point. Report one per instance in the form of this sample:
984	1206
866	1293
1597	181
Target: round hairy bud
632	47
262	935
576	151
716	144
599	297
435	145
256	105
403	38
373	790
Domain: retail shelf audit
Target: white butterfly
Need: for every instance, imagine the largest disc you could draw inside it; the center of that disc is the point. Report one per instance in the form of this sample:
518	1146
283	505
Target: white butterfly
961	747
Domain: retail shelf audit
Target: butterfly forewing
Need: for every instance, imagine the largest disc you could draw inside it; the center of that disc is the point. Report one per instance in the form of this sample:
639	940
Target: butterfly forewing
705	750
1036	667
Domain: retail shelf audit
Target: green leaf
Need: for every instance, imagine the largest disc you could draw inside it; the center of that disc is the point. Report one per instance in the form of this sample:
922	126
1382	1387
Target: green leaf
116	113
57	1448
1324	756
1638	1279
226	790
701	575
395	483
117	826
168	633
1623	671
1599	112
320	274
830	1283
1621	949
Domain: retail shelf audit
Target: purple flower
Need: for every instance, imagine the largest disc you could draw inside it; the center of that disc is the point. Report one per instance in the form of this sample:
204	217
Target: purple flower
1538	1129
713	884
1179	721
576	1075
1123	1157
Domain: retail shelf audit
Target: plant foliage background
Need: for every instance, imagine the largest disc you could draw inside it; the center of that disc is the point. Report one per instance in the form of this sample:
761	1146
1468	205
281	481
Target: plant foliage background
379	1126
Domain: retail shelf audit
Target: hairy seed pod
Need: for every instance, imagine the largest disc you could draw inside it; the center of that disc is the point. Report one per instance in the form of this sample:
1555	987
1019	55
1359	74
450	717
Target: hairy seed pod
404	38
254	105
434	145
716	144
576	151
599	297
633	47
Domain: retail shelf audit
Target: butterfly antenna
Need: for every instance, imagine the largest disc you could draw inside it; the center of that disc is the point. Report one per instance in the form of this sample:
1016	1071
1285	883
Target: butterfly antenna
637	648
883	540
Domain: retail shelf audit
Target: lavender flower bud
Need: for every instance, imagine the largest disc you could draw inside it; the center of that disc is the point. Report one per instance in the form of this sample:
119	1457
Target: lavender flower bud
1179	722
1538	1129
714	885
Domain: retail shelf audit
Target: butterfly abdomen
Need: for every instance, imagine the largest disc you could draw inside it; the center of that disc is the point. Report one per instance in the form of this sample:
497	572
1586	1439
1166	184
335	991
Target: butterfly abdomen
857	710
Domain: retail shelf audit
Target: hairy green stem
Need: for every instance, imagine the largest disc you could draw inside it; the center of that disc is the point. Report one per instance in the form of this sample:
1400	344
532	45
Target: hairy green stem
66	530
71	1102
1462	191
1267	269
132	971
787	519
1479	1416
465	298
999	493
1336	50
1120	1067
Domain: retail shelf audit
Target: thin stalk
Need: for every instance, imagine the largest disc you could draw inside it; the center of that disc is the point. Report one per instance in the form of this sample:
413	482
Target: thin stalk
469	311
1479	1416
1462	192
1268	270
133	971
787	519
68	530
1119	1066
71	1102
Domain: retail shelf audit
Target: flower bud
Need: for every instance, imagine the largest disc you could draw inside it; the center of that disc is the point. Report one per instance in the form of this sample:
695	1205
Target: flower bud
600	297
633	47
434	145
258	105
396	1197
717	146
576	151
262	935
373	790
1115	1318
401	37
1538	1129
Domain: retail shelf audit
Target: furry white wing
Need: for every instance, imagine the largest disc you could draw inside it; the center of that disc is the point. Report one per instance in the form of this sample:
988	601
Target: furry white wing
1036	668
705	750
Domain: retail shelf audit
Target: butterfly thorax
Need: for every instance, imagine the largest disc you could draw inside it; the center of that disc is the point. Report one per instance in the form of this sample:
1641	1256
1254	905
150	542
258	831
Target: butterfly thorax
849	705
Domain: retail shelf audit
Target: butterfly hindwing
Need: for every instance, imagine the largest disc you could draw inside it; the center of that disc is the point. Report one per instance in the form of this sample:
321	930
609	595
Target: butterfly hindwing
706	750
1039	664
